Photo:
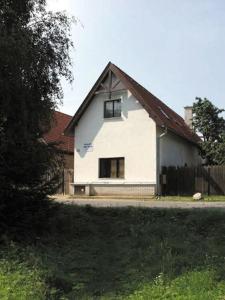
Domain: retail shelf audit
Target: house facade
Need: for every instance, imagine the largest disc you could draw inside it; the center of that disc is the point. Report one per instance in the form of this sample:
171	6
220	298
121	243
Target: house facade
124	135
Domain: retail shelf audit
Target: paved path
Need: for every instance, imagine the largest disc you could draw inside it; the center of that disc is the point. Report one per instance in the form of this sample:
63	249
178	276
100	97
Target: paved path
141	203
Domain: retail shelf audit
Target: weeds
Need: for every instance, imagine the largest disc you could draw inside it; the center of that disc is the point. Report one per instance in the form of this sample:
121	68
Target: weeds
117	253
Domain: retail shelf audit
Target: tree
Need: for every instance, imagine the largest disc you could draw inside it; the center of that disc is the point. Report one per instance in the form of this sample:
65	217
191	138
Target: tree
208	122
34	54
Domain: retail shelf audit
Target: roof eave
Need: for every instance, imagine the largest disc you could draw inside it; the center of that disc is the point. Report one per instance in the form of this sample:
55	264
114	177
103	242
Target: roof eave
70	128
184	137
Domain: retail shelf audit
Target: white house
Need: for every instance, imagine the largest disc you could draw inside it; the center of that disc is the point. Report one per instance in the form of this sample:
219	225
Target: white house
124	135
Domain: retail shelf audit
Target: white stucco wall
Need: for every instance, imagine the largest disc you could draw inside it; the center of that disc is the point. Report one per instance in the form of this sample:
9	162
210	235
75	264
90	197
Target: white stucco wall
175	151
133	136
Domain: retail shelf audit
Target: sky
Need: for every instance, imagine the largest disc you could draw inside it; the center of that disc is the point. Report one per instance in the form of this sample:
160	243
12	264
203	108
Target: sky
174	48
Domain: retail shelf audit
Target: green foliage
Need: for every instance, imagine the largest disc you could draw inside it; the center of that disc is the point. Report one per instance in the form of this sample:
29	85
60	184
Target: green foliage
195	285
20	281
34	55
211	126
212	198
111	253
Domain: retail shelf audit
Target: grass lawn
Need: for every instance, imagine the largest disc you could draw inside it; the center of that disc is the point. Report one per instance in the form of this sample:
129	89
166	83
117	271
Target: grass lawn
189	198
213	198
118	253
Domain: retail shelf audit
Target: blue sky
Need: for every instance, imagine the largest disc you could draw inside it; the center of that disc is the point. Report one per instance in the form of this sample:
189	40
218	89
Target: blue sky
174	48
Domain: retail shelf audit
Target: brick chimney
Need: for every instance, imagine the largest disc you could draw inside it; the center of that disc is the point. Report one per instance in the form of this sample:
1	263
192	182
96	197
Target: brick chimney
188	114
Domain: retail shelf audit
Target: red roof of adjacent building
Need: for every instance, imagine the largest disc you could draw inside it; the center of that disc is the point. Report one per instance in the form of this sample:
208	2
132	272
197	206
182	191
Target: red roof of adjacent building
164	116
56	133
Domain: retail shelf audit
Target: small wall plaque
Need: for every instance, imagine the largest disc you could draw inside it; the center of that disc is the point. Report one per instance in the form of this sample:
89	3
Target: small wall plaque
88	147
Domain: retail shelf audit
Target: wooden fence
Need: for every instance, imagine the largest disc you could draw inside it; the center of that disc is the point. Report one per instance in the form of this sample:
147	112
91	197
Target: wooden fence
65	181
208	180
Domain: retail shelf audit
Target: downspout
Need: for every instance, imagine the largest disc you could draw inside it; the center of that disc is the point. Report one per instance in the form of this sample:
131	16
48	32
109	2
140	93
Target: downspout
159	158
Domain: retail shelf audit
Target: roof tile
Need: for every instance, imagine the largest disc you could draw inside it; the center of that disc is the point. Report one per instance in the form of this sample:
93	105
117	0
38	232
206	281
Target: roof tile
56	133
159	111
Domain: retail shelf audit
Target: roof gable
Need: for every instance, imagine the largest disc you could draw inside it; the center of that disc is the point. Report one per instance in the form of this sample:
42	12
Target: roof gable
110	84
157	110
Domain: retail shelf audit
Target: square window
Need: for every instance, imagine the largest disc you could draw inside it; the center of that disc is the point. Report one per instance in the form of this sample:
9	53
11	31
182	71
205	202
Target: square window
112	108
111	167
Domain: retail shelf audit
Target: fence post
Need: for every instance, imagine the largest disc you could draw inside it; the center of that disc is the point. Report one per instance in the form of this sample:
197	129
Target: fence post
163	180
195	180
63	182
208	169
178	171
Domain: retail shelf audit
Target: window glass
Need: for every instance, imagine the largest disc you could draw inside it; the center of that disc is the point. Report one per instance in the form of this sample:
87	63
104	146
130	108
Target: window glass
121	168
117	108
104	168
111	167
112	108
108	109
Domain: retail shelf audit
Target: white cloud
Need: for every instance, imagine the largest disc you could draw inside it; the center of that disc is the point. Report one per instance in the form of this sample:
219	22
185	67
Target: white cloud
57	5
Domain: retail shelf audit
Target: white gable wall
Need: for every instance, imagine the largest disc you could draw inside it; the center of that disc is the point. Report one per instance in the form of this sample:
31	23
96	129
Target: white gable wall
133	136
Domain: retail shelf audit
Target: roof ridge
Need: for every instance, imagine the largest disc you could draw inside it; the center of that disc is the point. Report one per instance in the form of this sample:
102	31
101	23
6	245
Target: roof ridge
147	91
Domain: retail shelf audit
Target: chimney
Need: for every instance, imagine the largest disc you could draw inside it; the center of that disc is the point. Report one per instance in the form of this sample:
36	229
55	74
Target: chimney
188	115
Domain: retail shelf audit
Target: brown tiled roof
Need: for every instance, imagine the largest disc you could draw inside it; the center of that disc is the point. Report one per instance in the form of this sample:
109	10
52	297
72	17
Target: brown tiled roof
157	110
56	133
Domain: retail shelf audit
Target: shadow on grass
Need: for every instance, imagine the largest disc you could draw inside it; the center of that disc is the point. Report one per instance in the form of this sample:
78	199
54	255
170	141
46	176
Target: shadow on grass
95	252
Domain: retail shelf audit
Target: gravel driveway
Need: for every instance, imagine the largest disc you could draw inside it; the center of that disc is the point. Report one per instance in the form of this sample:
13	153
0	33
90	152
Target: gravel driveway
141	203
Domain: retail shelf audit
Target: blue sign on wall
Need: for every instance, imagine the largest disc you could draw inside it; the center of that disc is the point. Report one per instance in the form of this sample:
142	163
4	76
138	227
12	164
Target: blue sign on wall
88	147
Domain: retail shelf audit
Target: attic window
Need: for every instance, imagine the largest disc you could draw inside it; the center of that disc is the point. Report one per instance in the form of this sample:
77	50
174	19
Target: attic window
164	113
112	108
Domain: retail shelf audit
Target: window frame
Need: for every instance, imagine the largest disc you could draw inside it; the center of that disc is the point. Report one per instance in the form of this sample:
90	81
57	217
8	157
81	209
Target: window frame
113	101
117	167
